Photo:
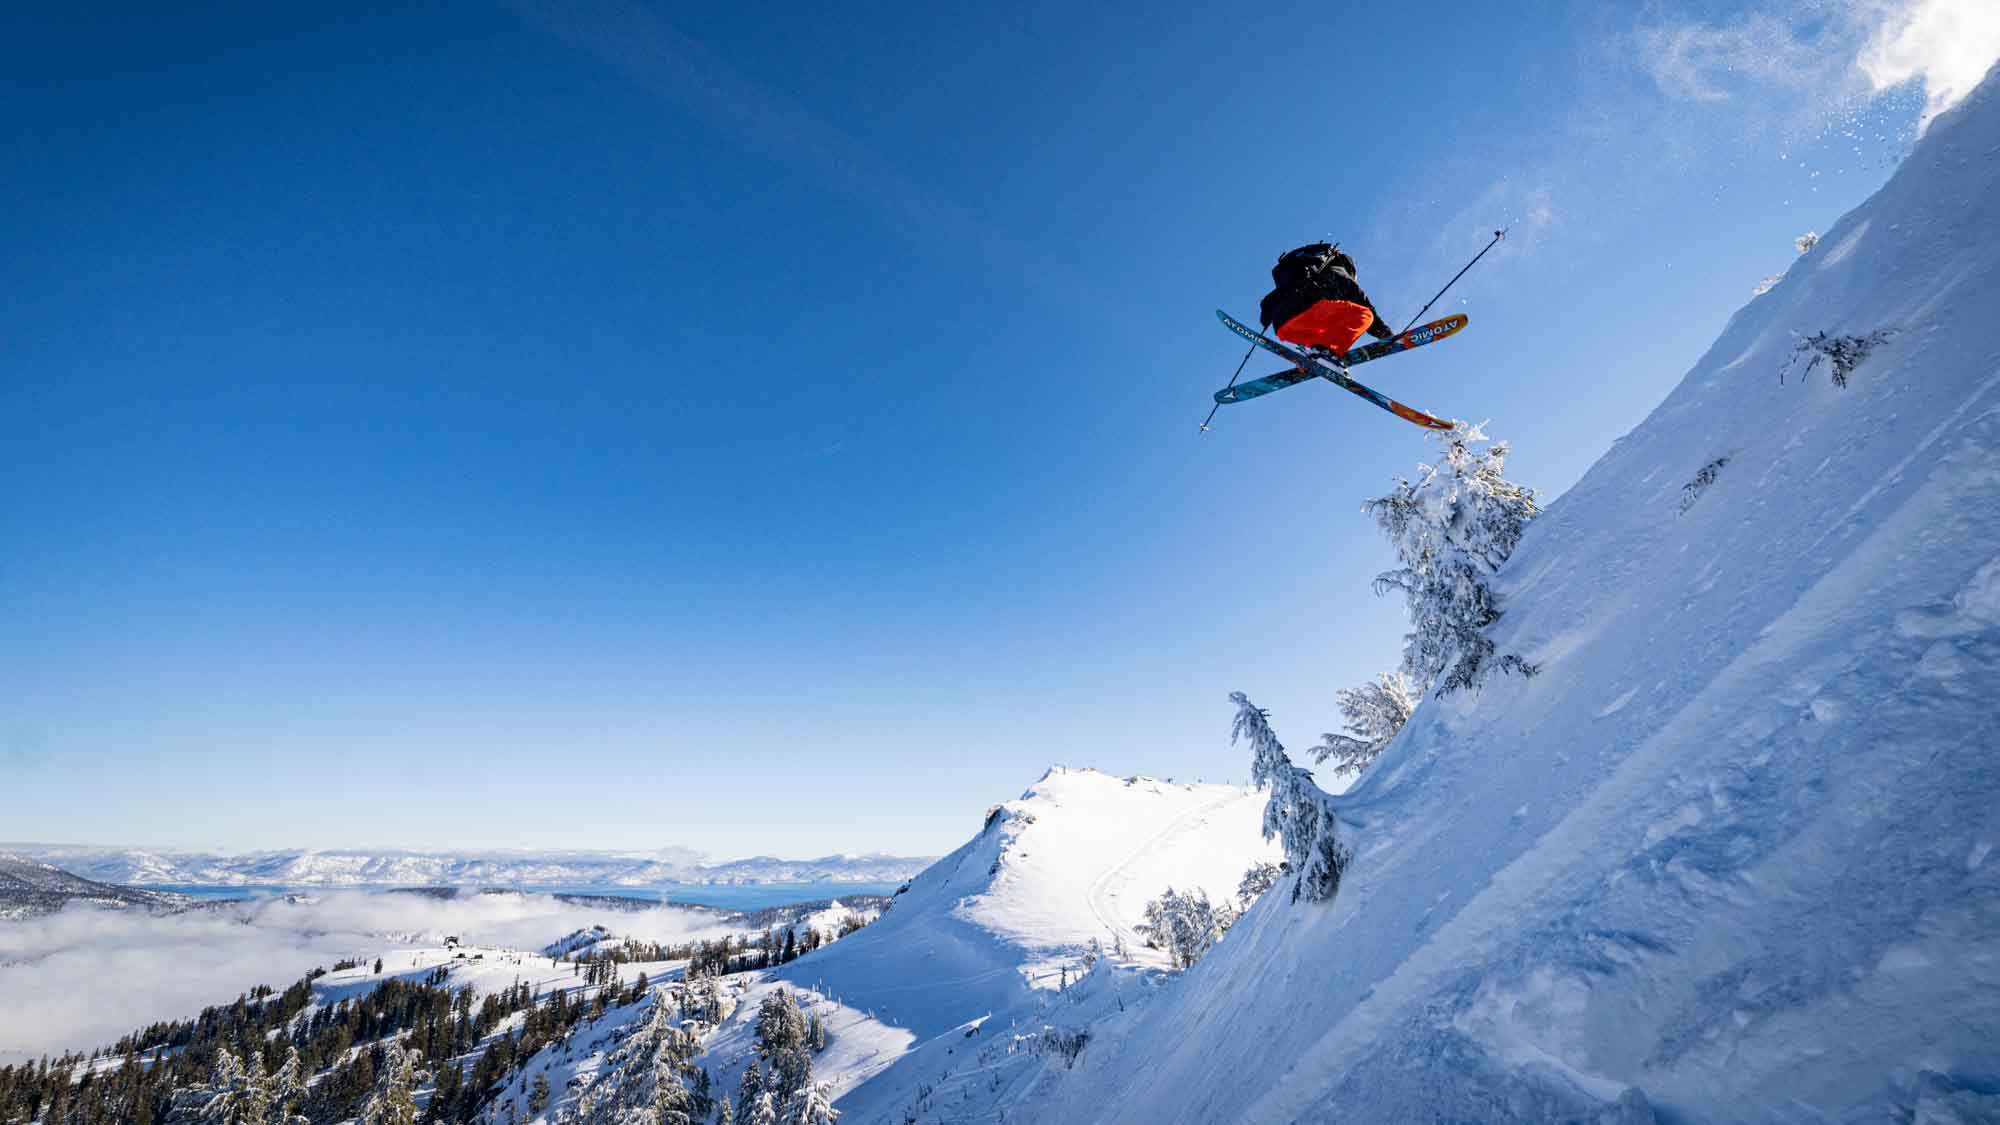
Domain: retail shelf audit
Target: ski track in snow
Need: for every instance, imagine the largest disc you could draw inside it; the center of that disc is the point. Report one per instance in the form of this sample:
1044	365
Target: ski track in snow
1098	890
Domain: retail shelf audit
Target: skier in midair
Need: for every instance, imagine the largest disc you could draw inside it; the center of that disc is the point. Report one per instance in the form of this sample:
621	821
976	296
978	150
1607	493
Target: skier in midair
1317	303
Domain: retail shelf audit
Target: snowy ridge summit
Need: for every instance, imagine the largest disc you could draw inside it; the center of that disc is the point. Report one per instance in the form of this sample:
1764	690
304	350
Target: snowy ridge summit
1731	854
1072	860
983	936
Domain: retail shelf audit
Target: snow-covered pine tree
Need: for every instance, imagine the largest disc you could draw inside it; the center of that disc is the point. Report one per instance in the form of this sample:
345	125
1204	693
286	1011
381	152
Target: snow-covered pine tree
790	1079
222	1100
1299	812
780	1024
814	1106
1157	929
253	1105
709	1001
1255	882
1374	713
672	1104
288	1089
748	1089
1186	925
538	1094
394	1101
702	1093
1452	528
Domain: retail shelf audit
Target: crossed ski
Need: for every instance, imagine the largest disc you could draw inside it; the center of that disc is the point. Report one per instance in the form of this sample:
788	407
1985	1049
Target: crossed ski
1307	366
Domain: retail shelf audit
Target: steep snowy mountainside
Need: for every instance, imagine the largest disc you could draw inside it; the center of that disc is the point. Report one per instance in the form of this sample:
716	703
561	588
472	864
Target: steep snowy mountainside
1730	855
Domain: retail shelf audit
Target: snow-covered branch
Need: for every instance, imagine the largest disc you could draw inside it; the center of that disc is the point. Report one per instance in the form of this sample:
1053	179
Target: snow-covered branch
1452	527
1374	713
1299	812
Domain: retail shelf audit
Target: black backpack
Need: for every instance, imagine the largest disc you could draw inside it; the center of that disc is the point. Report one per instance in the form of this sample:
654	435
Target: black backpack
1299	268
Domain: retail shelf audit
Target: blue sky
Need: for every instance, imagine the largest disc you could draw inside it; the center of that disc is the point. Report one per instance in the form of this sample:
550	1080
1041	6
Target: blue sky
772	428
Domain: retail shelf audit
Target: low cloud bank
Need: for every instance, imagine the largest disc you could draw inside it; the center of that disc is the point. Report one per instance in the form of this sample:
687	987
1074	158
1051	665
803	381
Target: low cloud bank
83	977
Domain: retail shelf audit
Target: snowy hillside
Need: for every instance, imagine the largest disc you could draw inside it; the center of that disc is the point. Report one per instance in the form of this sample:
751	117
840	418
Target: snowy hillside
984	936
1730	856
1073	860
396	868
971	959
29	888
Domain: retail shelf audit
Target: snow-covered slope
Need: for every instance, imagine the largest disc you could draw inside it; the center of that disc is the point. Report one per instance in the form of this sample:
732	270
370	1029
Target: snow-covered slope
1073	860
983	937
28	888
1731	855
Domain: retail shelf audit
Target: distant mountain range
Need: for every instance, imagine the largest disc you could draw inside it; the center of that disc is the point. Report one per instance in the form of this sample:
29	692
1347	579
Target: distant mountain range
28	888
389	867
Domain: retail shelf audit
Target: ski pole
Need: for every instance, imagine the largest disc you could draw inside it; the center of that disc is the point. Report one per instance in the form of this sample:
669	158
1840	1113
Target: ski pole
1232	382
1497	236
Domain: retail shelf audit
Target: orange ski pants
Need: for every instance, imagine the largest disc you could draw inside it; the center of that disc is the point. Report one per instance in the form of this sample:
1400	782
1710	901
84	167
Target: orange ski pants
1334	325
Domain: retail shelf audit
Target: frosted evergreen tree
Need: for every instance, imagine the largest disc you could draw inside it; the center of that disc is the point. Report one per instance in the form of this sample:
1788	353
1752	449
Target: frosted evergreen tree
1258	879
644	1079
394	1101
1186	925
1299	812
672	1104
711	1001
226	1086
780	1024
789	1080
748	1090
1374	713
538	1094
1452	528
725	1114
253	1104
813	1106
288	1089
703	1091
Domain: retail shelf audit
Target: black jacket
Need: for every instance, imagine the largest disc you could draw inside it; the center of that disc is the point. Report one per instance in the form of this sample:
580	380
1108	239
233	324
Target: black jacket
1330	284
